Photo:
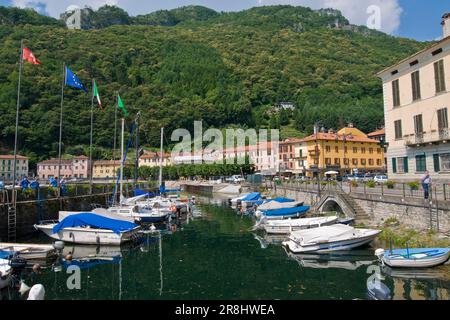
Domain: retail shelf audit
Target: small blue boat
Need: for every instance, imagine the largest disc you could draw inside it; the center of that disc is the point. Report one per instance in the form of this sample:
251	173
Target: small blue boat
285	213
414	257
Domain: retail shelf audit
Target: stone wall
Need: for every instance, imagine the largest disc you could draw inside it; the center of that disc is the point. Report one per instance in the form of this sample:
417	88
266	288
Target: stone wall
411	213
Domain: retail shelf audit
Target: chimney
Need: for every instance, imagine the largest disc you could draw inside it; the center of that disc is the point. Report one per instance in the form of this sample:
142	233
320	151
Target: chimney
445	25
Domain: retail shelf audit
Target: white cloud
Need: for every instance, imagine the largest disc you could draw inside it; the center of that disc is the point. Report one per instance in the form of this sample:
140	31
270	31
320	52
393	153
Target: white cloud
354	10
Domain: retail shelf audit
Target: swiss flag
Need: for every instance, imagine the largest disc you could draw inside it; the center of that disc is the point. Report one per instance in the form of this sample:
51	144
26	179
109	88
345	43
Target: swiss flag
29	56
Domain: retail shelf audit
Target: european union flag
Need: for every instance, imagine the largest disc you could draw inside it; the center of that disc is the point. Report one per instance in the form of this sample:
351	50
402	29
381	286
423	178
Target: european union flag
73	81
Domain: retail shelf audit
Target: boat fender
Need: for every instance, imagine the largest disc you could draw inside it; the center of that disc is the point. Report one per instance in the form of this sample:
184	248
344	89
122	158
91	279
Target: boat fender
37	292
36	268
379	253
58	245
173	208
69	257
23	288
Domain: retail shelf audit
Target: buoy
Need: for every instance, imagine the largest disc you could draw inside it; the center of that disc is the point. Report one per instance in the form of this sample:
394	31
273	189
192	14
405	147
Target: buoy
23	288
36	268
37	292
69	257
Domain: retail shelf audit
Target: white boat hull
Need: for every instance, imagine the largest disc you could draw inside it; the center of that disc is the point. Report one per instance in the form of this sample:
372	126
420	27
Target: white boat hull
88	235
30	251
288	226
329	247
5	270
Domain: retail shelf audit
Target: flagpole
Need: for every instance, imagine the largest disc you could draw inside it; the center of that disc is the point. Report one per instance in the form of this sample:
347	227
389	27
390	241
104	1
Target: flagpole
60	127
90	142
121	162
115	135
17	120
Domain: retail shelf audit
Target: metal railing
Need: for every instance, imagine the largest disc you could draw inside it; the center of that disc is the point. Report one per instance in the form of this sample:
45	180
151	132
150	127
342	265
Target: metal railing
440	135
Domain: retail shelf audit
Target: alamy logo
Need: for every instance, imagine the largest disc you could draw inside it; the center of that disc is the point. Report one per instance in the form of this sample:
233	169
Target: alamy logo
74	280
374	20
73	18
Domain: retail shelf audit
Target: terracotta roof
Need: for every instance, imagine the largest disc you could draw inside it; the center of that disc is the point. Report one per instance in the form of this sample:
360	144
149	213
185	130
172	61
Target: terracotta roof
8	156
55	162
151	155
291	141
332	137
81	158
377	133
106	163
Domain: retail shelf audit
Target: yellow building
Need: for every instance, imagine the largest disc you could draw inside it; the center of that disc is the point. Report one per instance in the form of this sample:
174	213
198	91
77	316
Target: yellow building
105	169
153	159
344	151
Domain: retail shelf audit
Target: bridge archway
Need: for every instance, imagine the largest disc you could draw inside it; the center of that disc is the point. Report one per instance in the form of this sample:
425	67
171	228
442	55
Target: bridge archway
334	202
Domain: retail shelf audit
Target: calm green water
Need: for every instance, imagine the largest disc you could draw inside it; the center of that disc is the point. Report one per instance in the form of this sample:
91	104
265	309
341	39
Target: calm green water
215	256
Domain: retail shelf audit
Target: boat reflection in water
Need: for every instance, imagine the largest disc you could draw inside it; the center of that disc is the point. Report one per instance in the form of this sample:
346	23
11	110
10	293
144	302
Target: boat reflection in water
348	260
267	239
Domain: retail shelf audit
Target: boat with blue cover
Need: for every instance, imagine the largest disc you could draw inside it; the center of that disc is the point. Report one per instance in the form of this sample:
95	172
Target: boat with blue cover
89	228
413	257
283	213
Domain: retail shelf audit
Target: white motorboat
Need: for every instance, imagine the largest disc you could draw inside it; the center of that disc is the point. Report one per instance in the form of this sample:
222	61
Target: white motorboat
28	251
291	225
89	228
413	257
5	273
234	201
329	238
320	261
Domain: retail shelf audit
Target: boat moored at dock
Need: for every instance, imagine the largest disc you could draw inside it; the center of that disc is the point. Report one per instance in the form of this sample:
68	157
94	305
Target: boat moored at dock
413	257
329	238
89	228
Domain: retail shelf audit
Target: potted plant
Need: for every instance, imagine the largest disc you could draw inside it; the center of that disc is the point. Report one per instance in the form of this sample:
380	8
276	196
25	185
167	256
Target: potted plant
390	184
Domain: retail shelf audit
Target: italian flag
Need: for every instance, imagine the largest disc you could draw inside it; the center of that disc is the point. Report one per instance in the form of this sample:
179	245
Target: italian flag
97	95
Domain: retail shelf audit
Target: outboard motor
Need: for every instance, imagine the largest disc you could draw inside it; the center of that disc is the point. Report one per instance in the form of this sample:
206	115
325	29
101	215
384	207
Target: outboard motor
378	291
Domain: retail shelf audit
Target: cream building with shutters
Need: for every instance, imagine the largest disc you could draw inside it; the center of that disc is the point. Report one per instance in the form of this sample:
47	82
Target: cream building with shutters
416	108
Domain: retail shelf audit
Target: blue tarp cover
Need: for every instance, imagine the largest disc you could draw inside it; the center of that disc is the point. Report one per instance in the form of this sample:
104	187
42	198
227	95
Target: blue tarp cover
139	192
286	211
94	221
283	200
87	264
252	196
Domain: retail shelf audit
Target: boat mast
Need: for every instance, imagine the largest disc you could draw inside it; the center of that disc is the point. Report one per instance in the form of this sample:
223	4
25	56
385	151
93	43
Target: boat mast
161	157
121	161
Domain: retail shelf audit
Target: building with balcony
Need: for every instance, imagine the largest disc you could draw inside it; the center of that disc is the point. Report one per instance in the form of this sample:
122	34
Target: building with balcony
7	167
416	106
347	151
288	156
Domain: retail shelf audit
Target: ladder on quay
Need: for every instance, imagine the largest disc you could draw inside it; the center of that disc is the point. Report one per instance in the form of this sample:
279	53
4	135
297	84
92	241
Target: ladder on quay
434	216
12	215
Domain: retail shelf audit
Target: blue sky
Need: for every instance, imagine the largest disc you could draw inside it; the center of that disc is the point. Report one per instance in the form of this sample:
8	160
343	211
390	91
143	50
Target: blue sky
417	19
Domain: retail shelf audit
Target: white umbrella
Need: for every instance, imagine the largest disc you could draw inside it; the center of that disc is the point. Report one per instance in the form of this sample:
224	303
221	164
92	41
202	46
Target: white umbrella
331	172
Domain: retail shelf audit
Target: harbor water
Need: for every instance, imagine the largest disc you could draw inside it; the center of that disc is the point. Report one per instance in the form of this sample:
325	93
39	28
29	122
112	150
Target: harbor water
215	255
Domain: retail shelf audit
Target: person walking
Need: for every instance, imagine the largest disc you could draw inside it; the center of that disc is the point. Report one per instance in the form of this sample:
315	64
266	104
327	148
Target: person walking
426	182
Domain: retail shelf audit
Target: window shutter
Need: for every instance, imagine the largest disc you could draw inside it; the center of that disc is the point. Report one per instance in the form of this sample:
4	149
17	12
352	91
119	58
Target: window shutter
394	165
437	166
437	77
405	164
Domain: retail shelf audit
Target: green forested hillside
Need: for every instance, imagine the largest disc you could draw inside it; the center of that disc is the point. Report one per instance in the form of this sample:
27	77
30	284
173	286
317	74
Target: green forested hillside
225	68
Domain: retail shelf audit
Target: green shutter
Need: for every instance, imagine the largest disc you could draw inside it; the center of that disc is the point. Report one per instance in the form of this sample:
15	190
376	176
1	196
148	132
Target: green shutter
394	165
437	166
405	164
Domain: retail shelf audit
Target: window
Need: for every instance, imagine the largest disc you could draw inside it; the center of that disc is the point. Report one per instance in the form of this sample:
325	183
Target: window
402	164
337	161
439	76
421	165
415	82
445	161
418	125
346	161
398	129
442	121
355	150
395	93
379	150
336	149
345	149
327	161
371	150
355	162
363	150
327	148
363	162
370	162
378	162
